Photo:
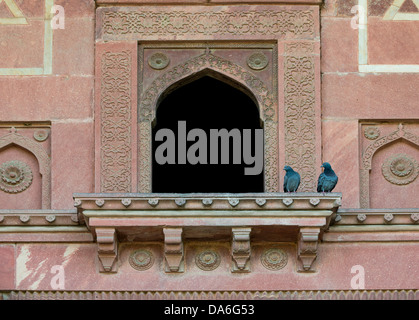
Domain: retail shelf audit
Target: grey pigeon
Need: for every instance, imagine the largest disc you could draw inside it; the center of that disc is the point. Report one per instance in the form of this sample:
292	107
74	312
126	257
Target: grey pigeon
327	179
291	180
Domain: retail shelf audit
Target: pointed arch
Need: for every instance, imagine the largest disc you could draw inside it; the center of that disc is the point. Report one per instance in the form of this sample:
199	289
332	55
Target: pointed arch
40	154
380	143
217	66
228	71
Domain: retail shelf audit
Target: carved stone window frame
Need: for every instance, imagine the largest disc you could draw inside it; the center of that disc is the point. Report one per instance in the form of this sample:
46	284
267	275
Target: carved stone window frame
124	115
264	96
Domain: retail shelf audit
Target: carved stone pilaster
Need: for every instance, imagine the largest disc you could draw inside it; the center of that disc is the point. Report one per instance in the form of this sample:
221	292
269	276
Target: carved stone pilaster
307	248
240	249
173	250
107	244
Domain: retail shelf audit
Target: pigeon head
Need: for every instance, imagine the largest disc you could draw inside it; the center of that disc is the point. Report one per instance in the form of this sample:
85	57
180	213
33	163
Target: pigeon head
326	165
288	168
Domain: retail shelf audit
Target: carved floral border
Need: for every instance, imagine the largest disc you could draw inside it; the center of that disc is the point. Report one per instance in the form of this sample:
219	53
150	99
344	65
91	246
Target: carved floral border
277	23
241	21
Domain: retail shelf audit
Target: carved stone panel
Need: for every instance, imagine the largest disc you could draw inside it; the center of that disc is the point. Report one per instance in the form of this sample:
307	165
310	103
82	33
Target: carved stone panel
206	22
281	70
25	167
389	165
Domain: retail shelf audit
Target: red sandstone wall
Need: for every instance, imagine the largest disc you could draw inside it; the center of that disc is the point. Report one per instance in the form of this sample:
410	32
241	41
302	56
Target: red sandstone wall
351	95
62	97
30	267
57	93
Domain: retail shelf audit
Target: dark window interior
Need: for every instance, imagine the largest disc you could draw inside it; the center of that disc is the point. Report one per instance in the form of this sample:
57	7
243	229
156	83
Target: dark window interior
206	103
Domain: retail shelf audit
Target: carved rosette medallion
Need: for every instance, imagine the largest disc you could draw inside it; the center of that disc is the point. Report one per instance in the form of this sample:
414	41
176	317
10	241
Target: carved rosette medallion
141	260
274	259
15	176
400	169
41	135
371	133
257	61
208	260
158	61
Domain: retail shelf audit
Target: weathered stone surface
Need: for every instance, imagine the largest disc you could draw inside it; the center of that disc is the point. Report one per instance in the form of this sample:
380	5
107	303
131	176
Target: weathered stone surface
7	267
40	98
334	272
339	46
74	48
17	41
72	161
392	42
340	149
346	95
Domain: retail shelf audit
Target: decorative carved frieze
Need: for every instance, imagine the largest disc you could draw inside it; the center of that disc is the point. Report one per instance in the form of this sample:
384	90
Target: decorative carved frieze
307	247
216	295
173	250
157	21
107	244
115	117
241	250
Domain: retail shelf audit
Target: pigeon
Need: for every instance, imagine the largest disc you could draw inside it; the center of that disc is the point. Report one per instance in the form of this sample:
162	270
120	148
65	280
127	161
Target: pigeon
291	180
327	179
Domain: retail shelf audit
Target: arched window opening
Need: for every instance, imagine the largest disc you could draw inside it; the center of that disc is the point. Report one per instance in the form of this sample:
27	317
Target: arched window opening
200	157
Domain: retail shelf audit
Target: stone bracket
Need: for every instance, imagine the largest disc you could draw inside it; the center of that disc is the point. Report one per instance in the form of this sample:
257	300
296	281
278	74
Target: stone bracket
308	239
107	244
173	250
240	249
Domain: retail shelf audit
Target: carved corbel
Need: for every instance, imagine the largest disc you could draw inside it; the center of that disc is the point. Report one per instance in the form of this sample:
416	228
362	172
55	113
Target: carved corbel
240	248
107	243
173	250
307	248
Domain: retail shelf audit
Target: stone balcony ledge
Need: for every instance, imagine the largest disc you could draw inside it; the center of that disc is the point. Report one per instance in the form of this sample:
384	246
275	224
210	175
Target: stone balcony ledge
203	210
41	217
239	218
